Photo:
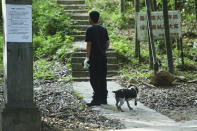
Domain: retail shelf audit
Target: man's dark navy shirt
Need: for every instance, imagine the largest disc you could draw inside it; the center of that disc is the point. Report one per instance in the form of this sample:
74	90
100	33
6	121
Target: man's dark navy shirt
97	35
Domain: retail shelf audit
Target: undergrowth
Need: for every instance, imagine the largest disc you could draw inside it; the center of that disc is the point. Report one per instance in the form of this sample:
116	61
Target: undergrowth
124	43
51	39
43	70
51	27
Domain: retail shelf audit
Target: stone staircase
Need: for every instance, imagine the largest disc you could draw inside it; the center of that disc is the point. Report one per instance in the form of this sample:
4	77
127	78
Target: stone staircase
81	74
78	11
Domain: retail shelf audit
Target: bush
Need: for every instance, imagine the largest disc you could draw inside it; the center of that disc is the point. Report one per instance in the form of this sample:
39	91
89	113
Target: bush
48	19
51	27
47	46
43	70
121	45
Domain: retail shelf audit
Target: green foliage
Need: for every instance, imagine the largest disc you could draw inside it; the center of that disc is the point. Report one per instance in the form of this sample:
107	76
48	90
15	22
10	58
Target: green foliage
121	45
109	5
47	46
117	25
43	70
137	72
49	18
51	27
110	13
63	53
76	94
68	78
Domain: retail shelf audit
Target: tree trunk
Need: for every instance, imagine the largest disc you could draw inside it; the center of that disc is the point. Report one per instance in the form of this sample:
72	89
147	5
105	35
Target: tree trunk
175	5
196	9
181	47
137	42
151	4
167	36
0	12
154	5
122	6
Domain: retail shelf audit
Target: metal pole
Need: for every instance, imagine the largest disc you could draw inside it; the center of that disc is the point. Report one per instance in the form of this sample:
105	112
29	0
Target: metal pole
150	34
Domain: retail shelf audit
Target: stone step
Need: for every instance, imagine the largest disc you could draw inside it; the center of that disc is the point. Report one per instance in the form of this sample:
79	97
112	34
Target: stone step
86	73
70	2
76	6
79	60
83	50
83	54
79	17
79	67
80	27
82	22
79	37
76	11
78	79
80	33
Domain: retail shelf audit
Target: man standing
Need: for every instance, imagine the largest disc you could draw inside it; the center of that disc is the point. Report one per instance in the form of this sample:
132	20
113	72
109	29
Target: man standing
97	43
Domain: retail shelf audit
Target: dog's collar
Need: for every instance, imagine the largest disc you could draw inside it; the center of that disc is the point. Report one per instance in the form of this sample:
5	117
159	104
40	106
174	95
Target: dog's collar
134	89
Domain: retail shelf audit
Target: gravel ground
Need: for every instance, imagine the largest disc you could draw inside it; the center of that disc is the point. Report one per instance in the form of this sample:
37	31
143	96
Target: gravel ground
61	109
178	102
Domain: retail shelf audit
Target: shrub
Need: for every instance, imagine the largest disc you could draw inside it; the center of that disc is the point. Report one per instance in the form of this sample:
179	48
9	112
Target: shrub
43	70
51	27
48	19
47	46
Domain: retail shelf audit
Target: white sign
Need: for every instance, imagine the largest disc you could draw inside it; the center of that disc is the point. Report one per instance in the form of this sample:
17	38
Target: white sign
158	25
18	23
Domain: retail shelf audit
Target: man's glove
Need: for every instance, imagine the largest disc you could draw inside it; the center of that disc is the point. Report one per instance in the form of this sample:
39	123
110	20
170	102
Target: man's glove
85	63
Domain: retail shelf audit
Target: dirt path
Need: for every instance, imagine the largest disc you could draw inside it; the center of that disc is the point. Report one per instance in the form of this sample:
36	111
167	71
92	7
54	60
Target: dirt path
140	119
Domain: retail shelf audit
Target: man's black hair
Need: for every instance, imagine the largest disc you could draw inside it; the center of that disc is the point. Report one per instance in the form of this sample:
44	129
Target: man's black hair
94	15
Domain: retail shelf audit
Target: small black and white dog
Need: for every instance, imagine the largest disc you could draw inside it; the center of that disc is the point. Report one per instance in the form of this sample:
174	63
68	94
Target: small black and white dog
123	95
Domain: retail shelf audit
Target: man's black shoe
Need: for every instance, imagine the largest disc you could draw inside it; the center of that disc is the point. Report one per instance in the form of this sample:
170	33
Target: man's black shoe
93	104
104	102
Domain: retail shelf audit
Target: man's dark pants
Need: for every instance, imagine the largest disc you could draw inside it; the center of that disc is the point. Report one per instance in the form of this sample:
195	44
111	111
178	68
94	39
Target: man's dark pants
98	72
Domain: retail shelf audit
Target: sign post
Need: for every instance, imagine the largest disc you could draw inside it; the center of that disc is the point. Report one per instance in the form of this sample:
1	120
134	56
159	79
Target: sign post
153	60
158	25
18	113
160	31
